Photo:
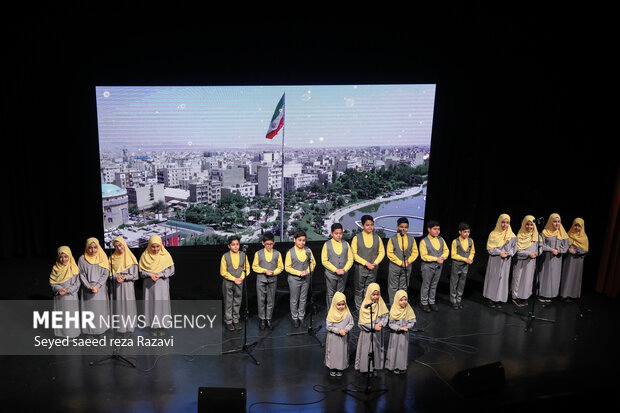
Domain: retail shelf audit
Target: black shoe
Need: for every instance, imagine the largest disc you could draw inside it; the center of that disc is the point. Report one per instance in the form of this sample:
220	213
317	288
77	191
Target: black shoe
262	324
433	306
519	302
461	306
237	326
491	304
426	308
230	327
498	305
296	323
268	323
455	306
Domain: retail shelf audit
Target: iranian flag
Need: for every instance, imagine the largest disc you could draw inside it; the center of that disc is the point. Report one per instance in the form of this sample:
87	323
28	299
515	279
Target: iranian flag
277	121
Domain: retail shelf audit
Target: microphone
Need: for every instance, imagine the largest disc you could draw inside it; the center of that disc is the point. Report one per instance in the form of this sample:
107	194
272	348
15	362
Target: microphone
368	305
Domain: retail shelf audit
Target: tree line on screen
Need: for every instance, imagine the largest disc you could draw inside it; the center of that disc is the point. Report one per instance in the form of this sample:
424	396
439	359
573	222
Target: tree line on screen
305	208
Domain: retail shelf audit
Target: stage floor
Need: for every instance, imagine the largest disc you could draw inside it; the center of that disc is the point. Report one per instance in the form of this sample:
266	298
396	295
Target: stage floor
564	364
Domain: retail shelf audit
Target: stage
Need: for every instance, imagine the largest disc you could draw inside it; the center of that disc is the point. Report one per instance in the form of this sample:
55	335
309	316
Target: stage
566	363
513	132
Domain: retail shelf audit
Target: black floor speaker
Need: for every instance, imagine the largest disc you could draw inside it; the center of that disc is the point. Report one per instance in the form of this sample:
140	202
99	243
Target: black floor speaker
480	380
221	399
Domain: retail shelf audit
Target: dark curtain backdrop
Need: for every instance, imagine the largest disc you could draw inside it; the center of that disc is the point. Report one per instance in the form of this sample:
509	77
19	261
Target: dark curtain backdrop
514	129
608	280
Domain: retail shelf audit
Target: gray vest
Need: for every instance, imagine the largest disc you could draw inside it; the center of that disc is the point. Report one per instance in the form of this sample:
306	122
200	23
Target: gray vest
369	254
300	265
398	251
268	265
235	272
459	248
431	250
337	260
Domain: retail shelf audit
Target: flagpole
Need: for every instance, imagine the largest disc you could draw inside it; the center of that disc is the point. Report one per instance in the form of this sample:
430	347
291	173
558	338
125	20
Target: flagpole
282	227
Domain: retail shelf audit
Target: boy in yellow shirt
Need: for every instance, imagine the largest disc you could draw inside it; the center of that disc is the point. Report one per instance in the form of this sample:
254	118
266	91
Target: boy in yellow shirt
234	267
299	263
402	251
368	252
267	265
337	259
433	252
462	254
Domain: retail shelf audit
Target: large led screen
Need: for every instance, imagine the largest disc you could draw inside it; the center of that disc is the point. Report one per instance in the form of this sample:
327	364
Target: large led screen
196	164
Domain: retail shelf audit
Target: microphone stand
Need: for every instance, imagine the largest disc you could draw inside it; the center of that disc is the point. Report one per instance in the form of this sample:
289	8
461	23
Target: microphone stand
371	361
531	316
311	330
403	270
115	350
245	348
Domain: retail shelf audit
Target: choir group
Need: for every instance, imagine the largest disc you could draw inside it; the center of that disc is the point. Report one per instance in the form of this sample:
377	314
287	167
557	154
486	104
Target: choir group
554	255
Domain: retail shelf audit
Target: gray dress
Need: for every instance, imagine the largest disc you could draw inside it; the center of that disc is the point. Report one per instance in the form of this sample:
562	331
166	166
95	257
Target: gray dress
551	267
572	273
68	302
337	346
157	297
98	304
363	345
523	270
498	272
124	299
397	354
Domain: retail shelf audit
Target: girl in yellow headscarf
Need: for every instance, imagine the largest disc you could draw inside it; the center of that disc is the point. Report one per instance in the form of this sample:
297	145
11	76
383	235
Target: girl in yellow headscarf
338	324
124	268
501	246
524	266
401	321
371	326
94	272
65	284
555	245
156	267
572	266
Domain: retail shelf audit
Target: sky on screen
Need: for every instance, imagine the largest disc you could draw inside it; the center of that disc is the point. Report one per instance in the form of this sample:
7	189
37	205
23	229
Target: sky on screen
179	118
